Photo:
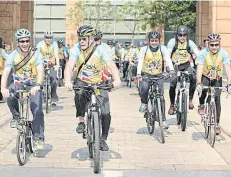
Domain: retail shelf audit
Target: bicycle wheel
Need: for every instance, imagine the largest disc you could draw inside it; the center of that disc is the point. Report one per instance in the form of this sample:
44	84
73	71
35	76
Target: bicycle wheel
47	97
160	117
21	149
213	123
178	113
29	139
184	112
150	119
89	136
206	119
96	142
130	78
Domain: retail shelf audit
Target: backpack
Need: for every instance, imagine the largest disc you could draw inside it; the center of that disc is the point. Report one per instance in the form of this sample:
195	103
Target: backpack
176	45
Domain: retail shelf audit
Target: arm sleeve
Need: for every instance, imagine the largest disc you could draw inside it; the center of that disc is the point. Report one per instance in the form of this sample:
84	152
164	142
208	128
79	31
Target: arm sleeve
225	58
4	54
10	61
38	58
55	45
201	56
74	53
171	45
167	58
104	53
141	59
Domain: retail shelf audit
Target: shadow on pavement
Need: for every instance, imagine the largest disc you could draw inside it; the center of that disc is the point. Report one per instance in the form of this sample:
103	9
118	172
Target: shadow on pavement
56	108
40	153
82	154
198	136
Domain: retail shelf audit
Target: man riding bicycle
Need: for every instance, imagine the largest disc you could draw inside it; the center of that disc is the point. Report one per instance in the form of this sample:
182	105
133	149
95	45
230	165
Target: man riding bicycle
180	48
49	50
27	67
63	55
116	51
90	59
151	63
210	71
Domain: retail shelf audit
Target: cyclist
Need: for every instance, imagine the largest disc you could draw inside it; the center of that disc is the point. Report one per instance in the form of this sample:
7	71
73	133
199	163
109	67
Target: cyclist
116	51
210	68
151	63
63	55
180	48
3	56
134	61
106	75
49	50
32	70
206	43
90	72
128	54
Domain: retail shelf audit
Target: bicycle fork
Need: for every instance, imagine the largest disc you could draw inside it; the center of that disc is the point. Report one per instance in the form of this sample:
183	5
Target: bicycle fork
185	91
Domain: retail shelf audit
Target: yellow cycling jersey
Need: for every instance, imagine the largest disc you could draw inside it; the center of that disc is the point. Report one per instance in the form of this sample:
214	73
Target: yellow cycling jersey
61	53
1	63
92	71
181	54
153	62
28	70
47	52
213	66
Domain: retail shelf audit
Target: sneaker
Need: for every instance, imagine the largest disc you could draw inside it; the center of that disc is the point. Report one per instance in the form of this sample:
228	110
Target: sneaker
13	123
39	145
165	125
201	110
104	146
218	130
143	107
191	106
81	127
171	110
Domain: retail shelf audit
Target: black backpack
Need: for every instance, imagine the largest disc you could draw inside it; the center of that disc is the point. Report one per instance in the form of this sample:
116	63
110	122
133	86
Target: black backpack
176	45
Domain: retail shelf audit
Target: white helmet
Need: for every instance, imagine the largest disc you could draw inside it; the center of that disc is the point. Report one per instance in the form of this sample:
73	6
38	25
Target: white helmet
22	33
48	34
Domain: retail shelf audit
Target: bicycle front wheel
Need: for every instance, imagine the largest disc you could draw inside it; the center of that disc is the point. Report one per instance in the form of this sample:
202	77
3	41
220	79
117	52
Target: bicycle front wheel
206	119
160	117
184	112
150	119
47	97
96	142
90	136
21	149
213	123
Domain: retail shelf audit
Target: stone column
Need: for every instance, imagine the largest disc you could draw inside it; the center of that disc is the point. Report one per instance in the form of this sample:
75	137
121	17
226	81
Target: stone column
9	19
26	13
71	26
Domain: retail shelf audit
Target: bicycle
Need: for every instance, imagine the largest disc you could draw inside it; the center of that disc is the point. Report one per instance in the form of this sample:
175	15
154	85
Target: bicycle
210	114
47	86
24	140
129	76
155	111
94	118
182	99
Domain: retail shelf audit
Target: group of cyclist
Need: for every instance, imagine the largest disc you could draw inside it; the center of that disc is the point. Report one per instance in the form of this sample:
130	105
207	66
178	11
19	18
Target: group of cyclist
89	60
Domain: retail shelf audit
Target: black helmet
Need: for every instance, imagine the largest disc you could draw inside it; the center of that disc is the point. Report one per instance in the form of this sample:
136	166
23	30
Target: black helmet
182	29
154	34
109	42
98	34
85	31
127	43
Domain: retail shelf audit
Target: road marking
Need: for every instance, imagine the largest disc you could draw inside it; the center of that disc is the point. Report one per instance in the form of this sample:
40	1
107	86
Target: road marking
113	174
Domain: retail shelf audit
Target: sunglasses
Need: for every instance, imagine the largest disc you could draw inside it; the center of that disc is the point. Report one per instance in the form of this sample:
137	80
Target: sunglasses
154	40
182	35
82	39
22	42
48	37
213	45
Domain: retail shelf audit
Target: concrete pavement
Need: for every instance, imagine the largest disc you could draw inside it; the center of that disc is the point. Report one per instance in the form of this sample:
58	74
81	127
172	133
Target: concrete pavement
131	147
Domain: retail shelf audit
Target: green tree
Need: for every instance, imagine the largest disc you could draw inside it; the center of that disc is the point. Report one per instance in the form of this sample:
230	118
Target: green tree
96	13
131	14
171	14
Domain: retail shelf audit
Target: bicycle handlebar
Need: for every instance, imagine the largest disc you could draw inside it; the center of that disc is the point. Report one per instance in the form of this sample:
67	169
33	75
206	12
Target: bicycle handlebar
93	87
156	77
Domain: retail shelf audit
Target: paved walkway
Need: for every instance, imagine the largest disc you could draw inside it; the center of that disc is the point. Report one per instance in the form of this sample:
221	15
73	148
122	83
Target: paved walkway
131	147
